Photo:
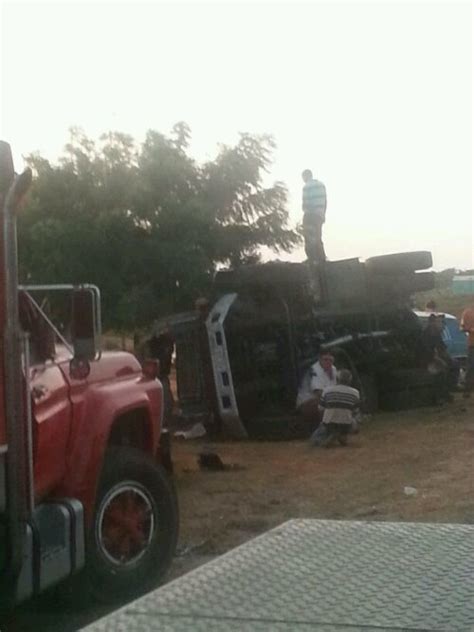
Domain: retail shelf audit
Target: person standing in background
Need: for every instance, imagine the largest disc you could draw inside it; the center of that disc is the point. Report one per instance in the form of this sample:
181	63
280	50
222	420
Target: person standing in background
161	347
467	325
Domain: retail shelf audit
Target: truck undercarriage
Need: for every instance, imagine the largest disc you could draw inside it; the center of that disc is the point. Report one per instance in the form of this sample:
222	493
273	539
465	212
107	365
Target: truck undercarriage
267	323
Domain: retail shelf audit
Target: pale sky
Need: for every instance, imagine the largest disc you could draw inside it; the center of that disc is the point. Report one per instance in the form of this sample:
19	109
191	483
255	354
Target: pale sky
375	98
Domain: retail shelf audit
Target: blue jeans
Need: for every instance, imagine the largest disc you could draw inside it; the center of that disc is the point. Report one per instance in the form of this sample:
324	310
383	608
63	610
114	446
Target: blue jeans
319	435
326	434
470	370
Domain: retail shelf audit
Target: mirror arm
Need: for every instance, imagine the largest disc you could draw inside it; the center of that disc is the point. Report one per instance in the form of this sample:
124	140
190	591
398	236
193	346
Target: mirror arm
56	331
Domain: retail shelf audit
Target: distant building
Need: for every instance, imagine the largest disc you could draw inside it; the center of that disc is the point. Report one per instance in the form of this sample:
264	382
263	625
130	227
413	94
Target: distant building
463	284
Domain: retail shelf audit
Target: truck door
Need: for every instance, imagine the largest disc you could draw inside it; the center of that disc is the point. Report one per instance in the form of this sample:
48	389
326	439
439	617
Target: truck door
51	419
49	391
51	406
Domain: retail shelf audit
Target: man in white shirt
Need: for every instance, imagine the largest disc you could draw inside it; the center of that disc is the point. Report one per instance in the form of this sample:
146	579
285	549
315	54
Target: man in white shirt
320	375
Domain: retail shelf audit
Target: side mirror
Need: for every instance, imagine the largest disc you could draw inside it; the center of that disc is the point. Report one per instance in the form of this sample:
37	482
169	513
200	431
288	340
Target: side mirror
85	336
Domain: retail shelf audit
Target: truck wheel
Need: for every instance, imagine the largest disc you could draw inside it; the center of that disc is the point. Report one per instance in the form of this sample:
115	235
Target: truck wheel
400	262
134	533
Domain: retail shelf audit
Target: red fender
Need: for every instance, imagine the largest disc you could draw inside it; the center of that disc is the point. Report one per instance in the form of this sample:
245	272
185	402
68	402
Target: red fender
95	409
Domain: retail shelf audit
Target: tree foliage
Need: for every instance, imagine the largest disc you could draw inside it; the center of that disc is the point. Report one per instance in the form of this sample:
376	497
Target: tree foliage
147	223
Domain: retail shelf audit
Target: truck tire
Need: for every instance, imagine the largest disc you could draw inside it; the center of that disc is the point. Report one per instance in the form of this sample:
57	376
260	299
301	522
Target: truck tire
397	284
400	262
133	537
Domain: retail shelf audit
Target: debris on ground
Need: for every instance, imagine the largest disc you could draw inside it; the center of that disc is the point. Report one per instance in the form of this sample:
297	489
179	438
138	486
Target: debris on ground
195	432
213	462
190	548
410	491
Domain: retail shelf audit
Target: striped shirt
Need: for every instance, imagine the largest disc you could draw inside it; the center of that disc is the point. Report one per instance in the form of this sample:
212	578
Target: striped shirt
314	198
340	403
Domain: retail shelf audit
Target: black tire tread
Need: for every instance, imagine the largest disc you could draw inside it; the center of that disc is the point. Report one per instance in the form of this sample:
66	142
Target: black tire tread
130	463
400	262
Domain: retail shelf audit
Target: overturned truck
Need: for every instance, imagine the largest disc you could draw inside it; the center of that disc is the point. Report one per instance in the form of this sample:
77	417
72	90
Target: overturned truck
242	364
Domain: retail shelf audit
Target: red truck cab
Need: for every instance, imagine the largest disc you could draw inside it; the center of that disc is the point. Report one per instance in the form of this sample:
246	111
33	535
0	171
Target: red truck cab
83	482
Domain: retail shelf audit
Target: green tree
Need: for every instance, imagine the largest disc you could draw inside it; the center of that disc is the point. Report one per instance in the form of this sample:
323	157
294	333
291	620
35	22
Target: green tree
147	223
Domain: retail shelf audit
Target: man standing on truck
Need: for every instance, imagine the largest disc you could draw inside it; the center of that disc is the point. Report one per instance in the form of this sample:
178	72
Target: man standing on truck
314	216
467	325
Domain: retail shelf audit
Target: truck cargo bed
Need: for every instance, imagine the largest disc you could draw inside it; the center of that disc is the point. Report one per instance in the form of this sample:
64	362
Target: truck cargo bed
321	575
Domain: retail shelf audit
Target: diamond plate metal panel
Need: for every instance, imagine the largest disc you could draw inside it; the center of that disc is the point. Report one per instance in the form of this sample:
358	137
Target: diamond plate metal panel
324	575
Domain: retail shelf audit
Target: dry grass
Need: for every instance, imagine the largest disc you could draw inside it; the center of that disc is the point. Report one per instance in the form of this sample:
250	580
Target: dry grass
429	449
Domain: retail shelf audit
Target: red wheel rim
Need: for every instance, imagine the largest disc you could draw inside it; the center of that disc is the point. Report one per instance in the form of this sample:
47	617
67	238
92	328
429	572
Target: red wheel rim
126	523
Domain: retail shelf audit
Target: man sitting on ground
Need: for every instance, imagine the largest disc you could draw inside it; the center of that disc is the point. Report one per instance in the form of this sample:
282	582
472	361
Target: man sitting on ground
340	404
321	374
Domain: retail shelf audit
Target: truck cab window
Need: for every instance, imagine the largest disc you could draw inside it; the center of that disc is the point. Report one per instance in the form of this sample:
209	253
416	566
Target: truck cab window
42	345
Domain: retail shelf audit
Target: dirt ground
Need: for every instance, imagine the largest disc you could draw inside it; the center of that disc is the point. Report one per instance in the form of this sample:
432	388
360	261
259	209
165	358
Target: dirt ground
428	449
